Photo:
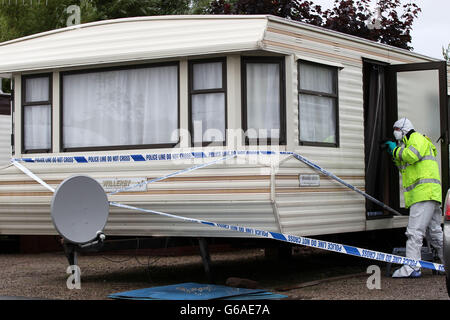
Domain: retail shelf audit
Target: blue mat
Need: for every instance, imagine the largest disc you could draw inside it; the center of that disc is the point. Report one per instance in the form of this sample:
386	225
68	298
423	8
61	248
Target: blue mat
195	291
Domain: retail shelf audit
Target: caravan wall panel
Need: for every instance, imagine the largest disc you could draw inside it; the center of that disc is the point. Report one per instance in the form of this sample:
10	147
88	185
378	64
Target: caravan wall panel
254	194
5	140
239	194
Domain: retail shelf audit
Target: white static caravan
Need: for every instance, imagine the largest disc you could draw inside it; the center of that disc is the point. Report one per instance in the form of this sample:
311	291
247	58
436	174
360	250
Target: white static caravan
105	91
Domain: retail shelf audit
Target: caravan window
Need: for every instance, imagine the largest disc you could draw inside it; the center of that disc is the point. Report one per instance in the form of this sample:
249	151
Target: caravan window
36	113
207	101
263	107
134	107
318	100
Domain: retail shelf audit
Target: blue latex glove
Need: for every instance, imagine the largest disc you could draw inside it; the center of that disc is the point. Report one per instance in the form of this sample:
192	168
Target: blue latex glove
391	146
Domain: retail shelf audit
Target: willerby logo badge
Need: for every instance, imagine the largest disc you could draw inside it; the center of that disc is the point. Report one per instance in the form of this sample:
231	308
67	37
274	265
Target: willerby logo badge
113	184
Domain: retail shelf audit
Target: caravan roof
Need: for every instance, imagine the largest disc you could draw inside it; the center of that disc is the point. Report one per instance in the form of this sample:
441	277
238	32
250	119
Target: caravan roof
155	37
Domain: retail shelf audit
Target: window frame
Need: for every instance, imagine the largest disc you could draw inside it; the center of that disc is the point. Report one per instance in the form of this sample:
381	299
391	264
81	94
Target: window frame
116	68
272	60
25	104
192	91
335	96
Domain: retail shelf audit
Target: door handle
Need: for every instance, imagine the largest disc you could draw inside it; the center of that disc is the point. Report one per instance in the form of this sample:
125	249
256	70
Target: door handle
443	137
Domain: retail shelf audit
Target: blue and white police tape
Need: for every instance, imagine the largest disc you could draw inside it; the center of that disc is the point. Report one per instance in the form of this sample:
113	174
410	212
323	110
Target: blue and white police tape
173	174
319	244
348	185
189	156
142	157
32	175
325	245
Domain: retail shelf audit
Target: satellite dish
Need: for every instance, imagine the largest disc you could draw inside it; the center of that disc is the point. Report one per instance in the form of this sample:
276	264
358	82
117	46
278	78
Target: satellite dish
79	209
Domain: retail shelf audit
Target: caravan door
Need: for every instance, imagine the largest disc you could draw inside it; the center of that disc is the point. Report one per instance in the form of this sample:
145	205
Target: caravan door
418	91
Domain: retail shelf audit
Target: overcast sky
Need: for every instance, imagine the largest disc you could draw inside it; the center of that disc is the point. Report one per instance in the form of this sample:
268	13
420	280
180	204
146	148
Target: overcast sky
431	30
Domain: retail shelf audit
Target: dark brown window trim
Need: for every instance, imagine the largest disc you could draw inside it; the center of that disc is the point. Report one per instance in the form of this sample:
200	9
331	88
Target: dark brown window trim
119	147
37	103
117	68
192	92
5	104
335	96
274	60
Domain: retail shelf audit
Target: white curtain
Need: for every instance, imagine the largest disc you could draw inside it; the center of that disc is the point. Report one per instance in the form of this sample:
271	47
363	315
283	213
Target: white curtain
317	116
316	78
207	75
37	118
263	100
208	109
37	124
119	108
37	89
317	119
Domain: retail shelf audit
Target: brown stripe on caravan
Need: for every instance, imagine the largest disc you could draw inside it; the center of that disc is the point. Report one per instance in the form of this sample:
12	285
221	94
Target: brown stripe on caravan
197	191
181	179
295	177
19	182
26	194
314	189
150	192
221	178
193	179
290	46
332	43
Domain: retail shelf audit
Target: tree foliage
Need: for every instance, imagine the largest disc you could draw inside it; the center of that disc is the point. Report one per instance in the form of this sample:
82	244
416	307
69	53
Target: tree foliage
20	18
391	23
6	86
26	17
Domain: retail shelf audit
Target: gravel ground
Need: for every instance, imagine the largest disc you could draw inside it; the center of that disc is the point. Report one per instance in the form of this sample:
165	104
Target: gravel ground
44	275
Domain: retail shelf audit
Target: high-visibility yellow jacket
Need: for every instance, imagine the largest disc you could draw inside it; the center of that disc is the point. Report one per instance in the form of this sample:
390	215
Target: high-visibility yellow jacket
417	162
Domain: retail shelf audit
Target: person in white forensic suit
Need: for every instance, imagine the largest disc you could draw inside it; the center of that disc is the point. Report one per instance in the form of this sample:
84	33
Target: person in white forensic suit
415	156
